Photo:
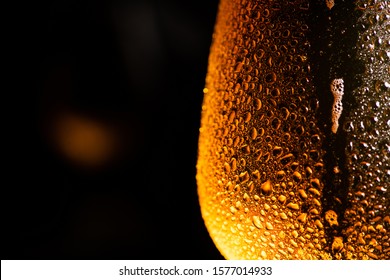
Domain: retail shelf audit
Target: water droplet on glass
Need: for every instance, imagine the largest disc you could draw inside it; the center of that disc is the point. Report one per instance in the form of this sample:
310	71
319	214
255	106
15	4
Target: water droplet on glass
337	244
302	218
267	187
331	218
293	206
269	226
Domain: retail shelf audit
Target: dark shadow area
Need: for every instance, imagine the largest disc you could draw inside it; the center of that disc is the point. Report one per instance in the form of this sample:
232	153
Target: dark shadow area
333	55
104	130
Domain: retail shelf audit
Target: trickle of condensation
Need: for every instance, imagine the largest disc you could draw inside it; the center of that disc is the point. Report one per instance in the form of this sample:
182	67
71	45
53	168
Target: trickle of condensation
337	89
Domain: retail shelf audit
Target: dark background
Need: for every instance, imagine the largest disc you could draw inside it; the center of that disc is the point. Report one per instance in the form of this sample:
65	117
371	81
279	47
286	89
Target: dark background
127	74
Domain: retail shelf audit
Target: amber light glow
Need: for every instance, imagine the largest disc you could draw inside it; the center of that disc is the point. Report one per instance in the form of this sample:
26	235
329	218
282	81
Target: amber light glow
83	140
273	182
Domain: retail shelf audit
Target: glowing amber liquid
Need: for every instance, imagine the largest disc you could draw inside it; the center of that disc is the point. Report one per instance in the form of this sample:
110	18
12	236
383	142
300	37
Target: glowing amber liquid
275	179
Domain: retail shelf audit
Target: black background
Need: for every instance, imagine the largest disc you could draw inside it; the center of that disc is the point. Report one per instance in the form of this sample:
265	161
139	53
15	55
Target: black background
138	67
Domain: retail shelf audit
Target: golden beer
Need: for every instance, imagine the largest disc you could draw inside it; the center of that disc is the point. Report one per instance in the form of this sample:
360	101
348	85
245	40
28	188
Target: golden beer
294	142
